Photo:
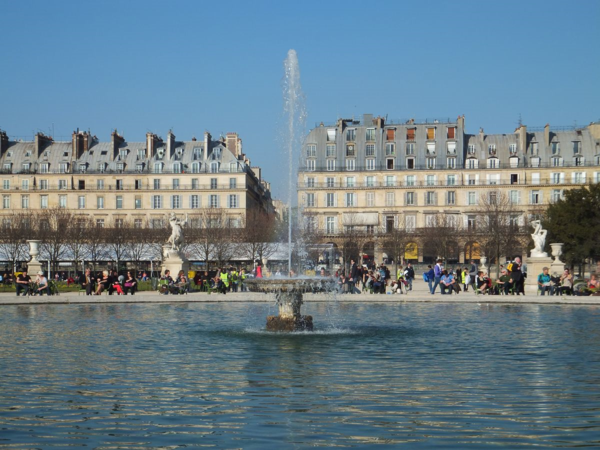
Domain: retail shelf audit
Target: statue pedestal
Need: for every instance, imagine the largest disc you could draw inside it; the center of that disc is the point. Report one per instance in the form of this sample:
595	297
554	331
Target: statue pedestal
34	266
174	261
535	264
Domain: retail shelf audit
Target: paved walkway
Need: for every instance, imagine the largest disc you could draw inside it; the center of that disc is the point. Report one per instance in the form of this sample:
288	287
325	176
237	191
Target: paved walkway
420	294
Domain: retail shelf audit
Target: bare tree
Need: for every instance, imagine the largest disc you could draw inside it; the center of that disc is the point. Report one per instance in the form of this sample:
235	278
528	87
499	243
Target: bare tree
501	226
141	244
117	237
396	241
354	236
76	242
442	233
257	235
54	225
15	230
95	242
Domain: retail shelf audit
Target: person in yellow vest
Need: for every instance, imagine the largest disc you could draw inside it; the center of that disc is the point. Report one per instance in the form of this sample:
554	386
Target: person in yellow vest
400	278
235	277
225	278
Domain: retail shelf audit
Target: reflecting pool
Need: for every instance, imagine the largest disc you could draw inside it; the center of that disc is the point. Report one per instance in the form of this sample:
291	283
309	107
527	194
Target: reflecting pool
206	375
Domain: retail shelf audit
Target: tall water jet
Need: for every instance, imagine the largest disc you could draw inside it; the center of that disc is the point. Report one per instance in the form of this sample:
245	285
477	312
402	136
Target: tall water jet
294	110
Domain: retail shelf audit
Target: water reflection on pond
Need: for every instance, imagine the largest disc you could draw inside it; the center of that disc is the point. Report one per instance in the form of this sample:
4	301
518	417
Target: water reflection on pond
147	375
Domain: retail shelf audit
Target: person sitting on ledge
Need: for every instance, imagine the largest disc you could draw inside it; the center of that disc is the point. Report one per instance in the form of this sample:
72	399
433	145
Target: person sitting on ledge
23	282
566	281
482	283
42	284
130	284
545	282
103	283
503	283
447	282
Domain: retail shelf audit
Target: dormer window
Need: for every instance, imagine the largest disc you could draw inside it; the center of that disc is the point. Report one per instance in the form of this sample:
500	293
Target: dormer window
451	133
430	134
27	154
103	153
120	167
535	148
451	148
9	155
160	153
178	153
141	153
214	167
216	153
83	168
492	149
512	148
139	167
431	148
351	134
65	154
576	147
195	167
493	163
44	168
158	167
471	149
177	167
555	146
196	153
123	153
63	167
101	167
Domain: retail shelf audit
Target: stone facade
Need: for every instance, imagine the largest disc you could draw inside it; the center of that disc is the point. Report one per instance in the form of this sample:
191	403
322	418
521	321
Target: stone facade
378	175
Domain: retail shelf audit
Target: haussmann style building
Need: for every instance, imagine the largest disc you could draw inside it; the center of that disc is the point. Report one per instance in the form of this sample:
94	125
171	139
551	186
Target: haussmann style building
377	175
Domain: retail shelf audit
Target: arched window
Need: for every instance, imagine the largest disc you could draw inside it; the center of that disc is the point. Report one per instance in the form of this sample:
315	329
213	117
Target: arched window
196	167
158	167
177	167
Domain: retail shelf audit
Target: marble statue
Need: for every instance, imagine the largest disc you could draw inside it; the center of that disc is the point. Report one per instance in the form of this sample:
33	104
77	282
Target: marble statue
539	239
176	238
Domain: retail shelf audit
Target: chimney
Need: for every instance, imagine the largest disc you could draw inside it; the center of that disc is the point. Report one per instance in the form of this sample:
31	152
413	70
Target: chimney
151	141
461	124
367	120
3	142
41	142
232	143
207	138
522	134
547	135
379	122
170	144
116	144
81	141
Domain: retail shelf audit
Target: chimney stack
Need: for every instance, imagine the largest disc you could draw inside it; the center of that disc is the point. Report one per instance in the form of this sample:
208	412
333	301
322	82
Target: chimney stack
3	142
207	139
41	142
170	144
151	141
547	135
116	140
234	144
81	141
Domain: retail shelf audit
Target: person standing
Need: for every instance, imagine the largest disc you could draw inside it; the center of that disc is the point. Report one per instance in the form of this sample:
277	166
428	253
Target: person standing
473	274
429	276
516	277
87	282
354	276
409	276
437	275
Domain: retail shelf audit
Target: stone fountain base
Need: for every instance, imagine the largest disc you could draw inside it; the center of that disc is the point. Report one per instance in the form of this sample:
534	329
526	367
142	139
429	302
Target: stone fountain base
299	323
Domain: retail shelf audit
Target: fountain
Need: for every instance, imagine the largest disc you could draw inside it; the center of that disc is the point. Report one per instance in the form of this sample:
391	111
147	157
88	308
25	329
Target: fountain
289	291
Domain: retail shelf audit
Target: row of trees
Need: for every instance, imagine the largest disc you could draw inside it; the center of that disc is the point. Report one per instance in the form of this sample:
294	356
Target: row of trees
66	235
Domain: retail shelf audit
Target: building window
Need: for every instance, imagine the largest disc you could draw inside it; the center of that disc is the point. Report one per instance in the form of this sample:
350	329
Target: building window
410	163
450	198
330	151
5	184
410	134
232	201
410	180
175	183
62	201
430	163
430	148
493	197
156	184
350	182
120	167
370	164
331	134
390	149
410	199
44	168
311	165
330	225
557	178
213	183
471	198
195	167
370	134
156	201
370	181
451	180
451	148
451	133
430	180
556	161
389	163
471	223
512	148
176	201
390	181
44	185
330	199
430	134
232	183
410	148
471	149
25	201
390	134
493	163
535	149
351	164
310	200
213	201
158	167
535	198
556	195
555	146
472	163
578	177
214	167
119	202
370	198
492	149
311	151
99	223
350	199
6	201
579	161
81	202
138	202
195	183
331	165
63	167
194	201
410	223
370	150
430	198
390	199
100	202
137	223
350	150
25	185
351	134
330	182
310	182
576	147
515	197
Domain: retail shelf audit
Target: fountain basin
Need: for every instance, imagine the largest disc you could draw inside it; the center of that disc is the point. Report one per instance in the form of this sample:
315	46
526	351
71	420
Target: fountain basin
288	293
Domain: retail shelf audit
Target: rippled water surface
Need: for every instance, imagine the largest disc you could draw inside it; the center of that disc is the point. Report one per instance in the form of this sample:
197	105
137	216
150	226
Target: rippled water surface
206	375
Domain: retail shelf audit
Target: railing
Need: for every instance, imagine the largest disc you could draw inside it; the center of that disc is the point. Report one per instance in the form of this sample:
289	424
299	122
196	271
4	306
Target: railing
146	171
444	183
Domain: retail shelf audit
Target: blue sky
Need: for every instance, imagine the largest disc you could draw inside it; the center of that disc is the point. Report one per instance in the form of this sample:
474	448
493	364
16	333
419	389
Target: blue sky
141	66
